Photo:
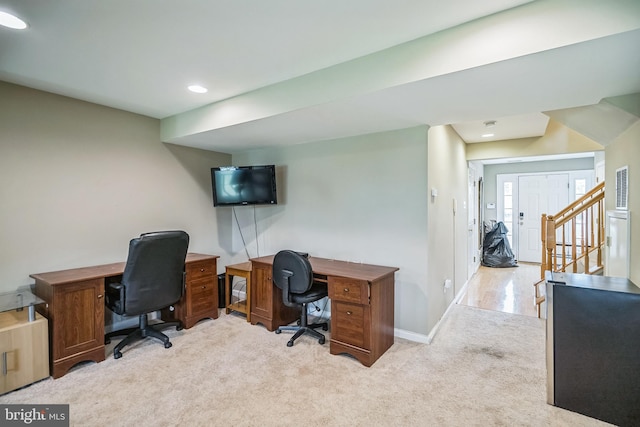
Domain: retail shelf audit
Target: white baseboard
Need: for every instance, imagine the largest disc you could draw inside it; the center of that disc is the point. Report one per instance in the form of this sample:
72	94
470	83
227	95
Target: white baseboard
400	333
455	301
426	339
411	336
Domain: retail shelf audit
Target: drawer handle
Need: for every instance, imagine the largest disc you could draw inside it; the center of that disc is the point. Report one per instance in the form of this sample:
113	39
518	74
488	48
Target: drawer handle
99	296
202	270
4	363
346	289
204	287
349	313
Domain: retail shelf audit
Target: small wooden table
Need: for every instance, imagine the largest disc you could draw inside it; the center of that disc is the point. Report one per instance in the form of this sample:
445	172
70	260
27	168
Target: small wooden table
240	270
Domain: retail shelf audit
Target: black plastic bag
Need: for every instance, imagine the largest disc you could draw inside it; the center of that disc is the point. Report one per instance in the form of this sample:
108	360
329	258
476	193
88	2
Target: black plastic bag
496	251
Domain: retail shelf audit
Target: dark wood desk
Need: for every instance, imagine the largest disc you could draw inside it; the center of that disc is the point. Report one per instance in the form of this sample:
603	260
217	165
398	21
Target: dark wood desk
75	308
362	304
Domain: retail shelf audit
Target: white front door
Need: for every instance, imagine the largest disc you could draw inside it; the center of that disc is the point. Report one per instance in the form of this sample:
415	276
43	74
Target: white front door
538	194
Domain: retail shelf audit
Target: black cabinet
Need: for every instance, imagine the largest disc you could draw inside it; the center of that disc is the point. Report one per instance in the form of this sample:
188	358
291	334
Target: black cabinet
593	346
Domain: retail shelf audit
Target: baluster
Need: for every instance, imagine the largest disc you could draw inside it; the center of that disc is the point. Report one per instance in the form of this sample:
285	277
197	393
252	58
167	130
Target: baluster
543	232
564	246
573	245
585	241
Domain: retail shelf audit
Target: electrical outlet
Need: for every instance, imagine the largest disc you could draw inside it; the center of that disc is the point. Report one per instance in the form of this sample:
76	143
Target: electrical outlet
447	285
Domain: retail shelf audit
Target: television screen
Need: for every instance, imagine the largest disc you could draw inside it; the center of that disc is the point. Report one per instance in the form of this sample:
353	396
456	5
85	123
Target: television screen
244	185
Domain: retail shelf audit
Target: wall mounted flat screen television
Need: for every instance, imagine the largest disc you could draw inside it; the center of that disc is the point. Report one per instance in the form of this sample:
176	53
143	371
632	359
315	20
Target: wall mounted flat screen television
244	185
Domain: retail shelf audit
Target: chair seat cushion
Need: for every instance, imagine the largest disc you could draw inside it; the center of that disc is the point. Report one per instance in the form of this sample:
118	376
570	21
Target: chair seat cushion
317	291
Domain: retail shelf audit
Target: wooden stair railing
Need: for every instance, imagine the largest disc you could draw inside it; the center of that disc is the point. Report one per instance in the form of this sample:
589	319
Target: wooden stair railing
572	236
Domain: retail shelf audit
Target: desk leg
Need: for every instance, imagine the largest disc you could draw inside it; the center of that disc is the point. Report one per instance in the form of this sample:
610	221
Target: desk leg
248	292
228	280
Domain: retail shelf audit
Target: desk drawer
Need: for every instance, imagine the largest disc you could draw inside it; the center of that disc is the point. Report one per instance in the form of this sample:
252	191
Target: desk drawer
348	290
350	324
201	296
199	269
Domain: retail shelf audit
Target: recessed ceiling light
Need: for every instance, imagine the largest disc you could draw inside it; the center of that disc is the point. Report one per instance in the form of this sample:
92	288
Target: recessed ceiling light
197	89
10	21
490	123
487	135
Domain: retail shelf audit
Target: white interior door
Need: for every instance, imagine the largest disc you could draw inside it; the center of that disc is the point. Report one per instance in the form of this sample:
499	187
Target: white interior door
538	194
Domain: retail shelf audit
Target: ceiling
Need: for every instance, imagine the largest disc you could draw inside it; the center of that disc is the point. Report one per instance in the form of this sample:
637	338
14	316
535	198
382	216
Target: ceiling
140	56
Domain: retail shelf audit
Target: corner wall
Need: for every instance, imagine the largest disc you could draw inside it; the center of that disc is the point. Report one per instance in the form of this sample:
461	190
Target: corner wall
447	219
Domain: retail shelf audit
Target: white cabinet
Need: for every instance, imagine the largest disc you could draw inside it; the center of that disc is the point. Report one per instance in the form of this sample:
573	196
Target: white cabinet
617	250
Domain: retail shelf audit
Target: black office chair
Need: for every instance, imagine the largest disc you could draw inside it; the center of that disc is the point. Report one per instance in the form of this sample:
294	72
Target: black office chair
153	279
292	273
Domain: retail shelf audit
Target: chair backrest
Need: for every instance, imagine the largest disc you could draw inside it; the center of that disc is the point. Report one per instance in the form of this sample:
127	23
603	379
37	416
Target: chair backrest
292	267
154	274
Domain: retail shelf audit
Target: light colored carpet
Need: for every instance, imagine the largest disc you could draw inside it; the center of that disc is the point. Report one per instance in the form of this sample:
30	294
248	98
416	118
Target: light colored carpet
483	368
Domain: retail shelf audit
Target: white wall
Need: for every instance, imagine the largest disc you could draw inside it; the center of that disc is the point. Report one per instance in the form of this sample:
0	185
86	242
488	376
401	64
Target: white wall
78	181
447	230
361	199
625	151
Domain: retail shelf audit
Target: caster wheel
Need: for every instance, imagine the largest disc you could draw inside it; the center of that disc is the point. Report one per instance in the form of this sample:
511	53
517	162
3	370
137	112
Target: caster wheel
325	327
167	345
117	355
107	341
298	322
278	331
179	328
321	340
289	343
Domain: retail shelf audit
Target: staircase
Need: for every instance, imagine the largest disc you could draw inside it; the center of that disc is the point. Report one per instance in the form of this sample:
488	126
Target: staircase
573	239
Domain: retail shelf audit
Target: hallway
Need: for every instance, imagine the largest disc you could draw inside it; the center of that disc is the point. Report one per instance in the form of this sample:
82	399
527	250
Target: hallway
509	290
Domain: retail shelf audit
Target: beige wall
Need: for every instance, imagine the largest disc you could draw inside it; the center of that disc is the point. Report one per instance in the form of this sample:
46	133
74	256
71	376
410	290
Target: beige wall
78	181
558	139
447	230
625	151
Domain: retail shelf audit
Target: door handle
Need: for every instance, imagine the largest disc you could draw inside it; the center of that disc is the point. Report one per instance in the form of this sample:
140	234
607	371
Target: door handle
4	363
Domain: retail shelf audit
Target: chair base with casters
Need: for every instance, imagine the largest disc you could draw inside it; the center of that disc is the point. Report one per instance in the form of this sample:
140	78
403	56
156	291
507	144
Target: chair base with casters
144	330
304	328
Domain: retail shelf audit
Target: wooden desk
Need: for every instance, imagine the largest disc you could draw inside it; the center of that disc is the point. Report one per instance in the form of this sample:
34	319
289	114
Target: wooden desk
362	304
75	308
